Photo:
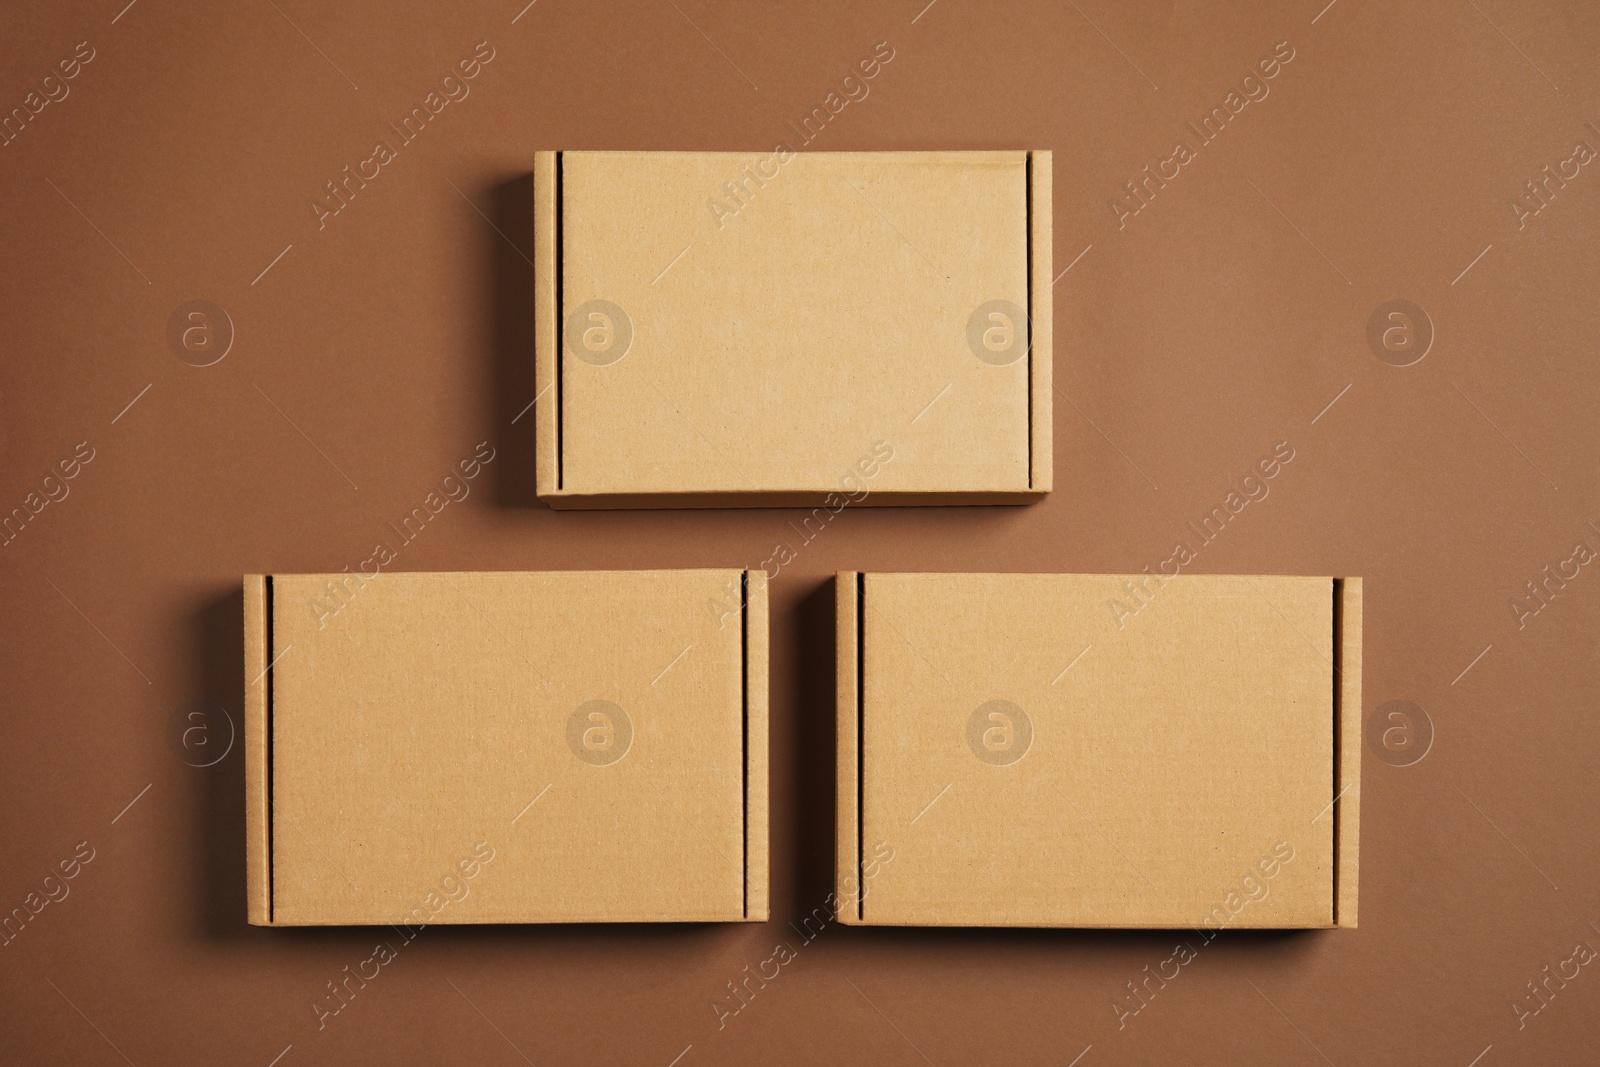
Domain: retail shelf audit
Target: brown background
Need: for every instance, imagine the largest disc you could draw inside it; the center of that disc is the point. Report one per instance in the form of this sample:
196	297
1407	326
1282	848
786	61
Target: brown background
379	350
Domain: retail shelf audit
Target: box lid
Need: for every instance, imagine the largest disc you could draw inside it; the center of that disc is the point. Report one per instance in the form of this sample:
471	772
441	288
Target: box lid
1092	750
582	742
769	348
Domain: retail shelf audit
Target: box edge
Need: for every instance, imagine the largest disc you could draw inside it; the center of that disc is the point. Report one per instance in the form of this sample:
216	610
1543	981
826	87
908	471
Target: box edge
1347	813
847	784
1041	223
546	359
757	788
258	837
567	500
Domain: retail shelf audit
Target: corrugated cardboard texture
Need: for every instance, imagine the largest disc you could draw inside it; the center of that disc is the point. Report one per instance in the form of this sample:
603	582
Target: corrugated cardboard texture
1092	750
838	327
502	747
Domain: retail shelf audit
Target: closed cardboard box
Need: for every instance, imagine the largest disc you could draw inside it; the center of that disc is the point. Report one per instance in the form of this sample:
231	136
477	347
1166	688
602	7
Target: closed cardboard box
506	748
1098	750
792	328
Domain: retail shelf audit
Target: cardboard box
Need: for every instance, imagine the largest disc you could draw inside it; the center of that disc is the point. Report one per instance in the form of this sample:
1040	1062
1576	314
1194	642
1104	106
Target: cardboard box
506	748
1098	750
787	329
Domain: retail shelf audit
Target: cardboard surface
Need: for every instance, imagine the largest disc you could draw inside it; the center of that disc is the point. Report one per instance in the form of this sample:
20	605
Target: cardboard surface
794	328
1096	750
471	748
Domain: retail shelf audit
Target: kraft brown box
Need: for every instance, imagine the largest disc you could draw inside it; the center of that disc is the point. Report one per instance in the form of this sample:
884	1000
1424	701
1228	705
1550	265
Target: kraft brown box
1098	750
506	748
788	329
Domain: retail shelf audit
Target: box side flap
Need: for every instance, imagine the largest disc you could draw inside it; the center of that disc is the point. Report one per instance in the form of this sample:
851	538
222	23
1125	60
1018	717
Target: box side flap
1347	752
257	711
847	841
546	294
756	858
1041	307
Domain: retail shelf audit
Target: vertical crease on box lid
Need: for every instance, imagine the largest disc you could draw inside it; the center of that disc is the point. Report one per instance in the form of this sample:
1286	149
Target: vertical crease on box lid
861	748
1027	243
1338	721
558	324
272	884
744	727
